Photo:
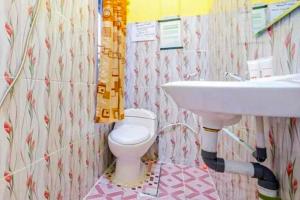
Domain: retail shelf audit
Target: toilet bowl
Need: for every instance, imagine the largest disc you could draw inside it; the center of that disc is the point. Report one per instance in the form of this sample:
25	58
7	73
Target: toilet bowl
130	139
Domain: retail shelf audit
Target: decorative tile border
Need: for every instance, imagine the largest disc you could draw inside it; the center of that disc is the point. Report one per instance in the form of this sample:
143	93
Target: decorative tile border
106	188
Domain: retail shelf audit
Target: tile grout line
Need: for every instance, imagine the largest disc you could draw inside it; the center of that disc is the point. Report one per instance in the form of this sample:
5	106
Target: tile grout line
213	182
99	179
139	194
184	190
58	81
43	159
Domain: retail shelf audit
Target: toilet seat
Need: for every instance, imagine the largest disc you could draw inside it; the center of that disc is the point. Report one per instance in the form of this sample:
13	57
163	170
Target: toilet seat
130	134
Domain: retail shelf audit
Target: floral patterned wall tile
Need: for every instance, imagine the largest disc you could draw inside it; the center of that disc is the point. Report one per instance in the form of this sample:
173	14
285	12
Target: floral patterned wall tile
194	30
21	125
57	117
233	48
170	65
15	23
69	172
223	42
66	30
162	67
50	146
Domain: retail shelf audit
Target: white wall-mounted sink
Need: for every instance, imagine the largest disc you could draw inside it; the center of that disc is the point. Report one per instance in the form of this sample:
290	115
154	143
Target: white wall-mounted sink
221	103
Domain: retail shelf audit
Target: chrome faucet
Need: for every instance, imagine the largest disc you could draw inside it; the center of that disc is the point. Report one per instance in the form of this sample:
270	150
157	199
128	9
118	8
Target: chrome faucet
233	76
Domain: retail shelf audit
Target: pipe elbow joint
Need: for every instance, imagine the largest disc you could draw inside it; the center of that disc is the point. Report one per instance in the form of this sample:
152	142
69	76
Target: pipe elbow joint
212	161
265	176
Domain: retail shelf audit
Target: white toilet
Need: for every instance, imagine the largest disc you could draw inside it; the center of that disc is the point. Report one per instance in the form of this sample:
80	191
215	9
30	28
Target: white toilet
129	141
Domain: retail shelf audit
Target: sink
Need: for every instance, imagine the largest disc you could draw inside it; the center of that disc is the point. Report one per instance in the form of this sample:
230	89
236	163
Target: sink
222	103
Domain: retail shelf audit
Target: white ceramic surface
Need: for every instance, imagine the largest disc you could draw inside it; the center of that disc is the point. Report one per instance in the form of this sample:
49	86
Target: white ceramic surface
224	102
129	168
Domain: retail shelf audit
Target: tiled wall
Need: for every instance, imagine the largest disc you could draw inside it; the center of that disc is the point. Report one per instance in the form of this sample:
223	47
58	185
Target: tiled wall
227	37
50	146
232	44
148	68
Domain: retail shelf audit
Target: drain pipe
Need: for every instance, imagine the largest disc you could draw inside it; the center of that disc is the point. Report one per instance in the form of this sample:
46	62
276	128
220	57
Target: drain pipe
267	182
261	152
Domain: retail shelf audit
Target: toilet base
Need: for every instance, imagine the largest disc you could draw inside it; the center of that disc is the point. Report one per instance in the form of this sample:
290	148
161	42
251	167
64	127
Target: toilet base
129	172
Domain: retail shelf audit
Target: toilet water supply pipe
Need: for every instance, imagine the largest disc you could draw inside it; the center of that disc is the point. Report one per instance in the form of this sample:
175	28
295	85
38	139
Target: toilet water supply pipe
178	124
267	182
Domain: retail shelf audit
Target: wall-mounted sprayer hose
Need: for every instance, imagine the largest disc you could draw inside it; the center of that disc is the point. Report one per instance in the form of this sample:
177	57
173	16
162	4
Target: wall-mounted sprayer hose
21	67
259	153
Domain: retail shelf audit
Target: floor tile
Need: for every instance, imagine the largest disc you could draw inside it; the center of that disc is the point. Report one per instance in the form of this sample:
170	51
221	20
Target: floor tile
176	182
110	191
199	184
106	189
171	184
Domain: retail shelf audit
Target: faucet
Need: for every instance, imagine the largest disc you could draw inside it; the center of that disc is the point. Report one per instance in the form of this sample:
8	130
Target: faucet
234	76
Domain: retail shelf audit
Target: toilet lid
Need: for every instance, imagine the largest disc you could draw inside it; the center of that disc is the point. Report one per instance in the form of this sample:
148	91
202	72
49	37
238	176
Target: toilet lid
130	134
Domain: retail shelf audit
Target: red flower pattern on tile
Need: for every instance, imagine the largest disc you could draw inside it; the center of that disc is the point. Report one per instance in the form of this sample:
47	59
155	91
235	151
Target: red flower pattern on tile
9	29
7	127
155	57
227	37
31	138
8	79
8	177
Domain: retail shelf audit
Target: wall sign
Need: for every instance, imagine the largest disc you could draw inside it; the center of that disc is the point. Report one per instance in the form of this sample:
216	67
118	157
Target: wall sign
277	9
143	31
271	14
259	18
170	34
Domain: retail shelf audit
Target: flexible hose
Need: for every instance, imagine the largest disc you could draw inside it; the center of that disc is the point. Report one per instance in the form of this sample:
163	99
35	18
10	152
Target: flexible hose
21	67
178	124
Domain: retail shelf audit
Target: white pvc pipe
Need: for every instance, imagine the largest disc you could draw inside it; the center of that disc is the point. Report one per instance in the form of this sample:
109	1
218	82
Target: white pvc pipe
209	141
209	144
260	136
238	167
267	192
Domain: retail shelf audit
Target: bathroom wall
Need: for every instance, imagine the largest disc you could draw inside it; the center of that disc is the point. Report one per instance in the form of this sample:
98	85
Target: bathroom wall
213	44
232	44
148	68
50	146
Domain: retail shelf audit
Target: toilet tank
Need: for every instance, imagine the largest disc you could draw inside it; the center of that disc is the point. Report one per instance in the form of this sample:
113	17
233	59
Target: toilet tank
140	117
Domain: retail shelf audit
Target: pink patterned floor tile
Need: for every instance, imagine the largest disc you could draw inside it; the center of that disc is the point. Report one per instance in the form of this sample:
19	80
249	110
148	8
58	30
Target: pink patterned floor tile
199	184
171	184
176	182
142	196
110	192
150	186
106	189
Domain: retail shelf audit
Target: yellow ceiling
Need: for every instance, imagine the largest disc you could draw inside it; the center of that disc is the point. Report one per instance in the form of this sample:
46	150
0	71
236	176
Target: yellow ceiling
140	10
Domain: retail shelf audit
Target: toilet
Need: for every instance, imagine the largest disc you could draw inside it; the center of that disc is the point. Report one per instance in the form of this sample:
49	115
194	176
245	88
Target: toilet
130	139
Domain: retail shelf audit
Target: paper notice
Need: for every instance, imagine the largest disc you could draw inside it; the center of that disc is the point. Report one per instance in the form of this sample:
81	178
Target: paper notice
170	34
144	31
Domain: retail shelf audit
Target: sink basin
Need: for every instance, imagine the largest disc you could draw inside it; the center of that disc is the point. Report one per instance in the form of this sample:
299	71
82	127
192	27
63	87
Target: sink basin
221	103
